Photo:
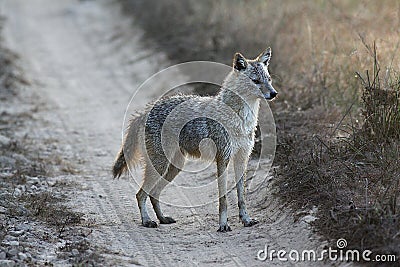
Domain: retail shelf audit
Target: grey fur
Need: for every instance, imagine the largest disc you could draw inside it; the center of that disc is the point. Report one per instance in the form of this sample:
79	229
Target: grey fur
176	127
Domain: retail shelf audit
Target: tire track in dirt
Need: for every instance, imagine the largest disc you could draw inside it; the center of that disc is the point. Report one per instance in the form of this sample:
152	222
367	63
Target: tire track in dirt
135	241
124	208
69	47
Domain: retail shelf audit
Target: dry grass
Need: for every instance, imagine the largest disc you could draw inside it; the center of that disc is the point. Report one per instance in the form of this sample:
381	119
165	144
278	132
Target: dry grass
49	208
317	45
338	125
354	179
381	99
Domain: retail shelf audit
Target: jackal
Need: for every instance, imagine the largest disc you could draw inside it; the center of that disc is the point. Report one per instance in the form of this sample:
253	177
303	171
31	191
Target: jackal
199	118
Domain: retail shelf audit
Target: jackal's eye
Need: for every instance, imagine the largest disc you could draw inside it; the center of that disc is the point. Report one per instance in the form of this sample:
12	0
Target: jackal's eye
257	81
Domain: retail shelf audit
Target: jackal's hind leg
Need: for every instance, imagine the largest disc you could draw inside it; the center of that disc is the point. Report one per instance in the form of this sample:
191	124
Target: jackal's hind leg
141	197
172	171
151	178
156	205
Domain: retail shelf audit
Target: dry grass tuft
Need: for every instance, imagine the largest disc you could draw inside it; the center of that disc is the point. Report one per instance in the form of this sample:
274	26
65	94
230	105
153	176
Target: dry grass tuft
381	100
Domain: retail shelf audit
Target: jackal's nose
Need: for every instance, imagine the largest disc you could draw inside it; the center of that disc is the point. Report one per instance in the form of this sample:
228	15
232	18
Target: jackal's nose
273	94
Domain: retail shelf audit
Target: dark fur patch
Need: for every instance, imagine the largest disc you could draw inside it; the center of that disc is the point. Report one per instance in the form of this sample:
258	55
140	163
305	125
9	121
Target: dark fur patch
120	165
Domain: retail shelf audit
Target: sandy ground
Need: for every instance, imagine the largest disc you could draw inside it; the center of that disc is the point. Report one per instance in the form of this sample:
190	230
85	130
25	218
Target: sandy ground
85	60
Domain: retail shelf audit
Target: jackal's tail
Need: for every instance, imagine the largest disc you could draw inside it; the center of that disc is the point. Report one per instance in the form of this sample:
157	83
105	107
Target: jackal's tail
131	147
120	165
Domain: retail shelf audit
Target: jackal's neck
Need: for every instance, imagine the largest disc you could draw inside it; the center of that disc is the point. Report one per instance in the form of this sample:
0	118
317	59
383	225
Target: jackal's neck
235	94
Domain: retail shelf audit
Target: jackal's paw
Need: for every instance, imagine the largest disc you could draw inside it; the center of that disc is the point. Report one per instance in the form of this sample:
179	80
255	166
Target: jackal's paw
250	222
167	220
224	228
150	224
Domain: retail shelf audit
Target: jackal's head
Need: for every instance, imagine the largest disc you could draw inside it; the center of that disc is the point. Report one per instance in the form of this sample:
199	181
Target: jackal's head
257	71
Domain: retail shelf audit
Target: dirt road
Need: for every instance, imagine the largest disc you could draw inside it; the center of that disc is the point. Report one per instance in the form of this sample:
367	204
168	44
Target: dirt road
86	61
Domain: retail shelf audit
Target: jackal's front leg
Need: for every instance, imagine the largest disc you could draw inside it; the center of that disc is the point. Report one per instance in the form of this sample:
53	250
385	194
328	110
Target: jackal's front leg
223	204
240	165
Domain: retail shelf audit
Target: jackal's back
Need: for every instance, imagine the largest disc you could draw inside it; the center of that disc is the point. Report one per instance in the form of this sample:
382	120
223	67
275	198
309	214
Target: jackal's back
191	121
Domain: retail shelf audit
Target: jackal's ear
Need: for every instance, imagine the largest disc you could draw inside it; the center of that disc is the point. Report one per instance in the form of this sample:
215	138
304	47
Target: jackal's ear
265	56
239	62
